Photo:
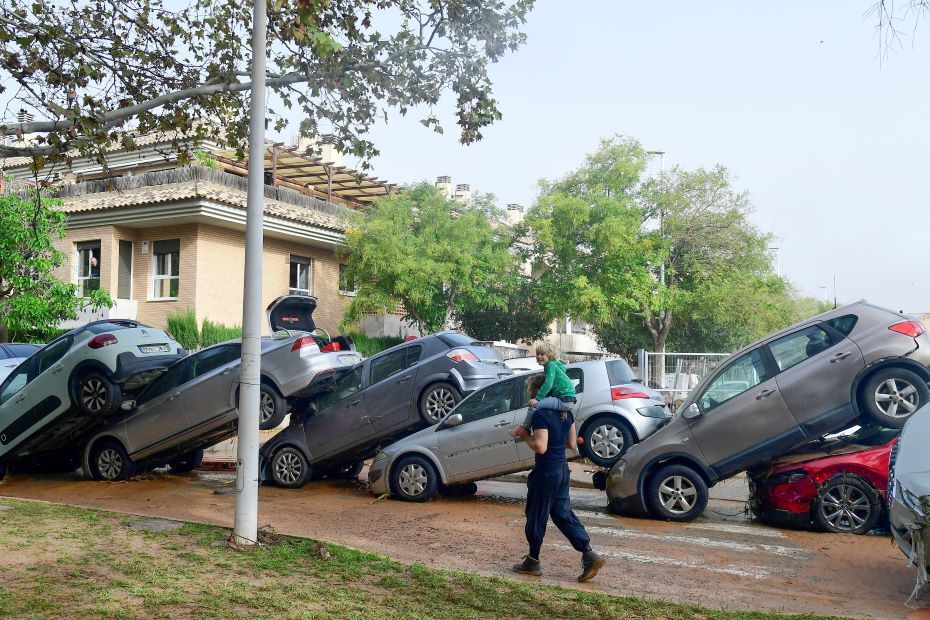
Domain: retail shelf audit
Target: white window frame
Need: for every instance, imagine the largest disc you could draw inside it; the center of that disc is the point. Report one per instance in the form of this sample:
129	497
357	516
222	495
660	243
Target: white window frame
344	291
89	246
306	263
157	278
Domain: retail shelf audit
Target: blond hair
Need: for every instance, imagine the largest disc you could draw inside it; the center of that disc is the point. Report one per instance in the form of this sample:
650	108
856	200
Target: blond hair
546	349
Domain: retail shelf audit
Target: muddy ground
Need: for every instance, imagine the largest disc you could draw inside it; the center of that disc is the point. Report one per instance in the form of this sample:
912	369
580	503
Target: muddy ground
720	560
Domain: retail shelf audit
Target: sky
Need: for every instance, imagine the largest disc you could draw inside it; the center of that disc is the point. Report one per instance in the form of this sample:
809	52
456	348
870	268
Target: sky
829	137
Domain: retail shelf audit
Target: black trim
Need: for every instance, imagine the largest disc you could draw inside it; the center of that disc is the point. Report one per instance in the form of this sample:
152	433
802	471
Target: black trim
760	452
29	419
829	421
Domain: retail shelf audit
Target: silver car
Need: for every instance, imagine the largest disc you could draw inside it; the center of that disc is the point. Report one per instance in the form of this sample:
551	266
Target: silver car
909	493
473	442
194	404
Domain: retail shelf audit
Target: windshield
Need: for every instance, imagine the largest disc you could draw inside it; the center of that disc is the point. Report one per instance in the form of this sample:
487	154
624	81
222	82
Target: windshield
459	340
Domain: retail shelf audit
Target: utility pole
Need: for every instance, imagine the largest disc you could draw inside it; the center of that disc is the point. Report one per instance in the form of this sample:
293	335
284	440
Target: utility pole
245	531
661	155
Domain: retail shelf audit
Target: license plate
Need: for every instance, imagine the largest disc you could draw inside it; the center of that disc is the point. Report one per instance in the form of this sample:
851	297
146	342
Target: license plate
154	348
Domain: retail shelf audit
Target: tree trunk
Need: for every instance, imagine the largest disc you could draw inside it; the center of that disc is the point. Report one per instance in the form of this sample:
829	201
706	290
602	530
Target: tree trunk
4	333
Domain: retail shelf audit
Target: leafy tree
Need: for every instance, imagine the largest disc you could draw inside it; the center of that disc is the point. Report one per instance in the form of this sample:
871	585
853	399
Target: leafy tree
99	72
431	255
32	301
520	317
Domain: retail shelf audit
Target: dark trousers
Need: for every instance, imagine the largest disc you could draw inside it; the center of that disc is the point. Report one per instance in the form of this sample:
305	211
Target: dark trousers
547	496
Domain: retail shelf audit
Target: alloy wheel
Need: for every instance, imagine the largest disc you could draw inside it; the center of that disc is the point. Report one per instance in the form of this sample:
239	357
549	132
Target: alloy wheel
93	394
439	402
845	507
896	398
266	406
288	468
607	441
110	464
677	494
413	480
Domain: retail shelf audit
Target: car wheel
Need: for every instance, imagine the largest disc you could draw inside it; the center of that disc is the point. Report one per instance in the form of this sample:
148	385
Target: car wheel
289	468
97	395
109	461
846	505
606	439
465	489
891	395
350	471
187	462
437	401
271	406
677	493
414	479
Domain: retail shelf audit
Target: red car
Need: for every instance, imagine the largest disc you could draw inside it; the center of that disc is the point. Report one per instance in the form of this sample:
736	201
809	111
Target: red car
838	484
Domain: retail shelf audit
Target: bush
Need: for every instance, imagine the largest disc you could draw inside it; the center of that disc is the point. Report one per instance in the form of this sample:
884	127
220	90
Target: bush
213	333
183	326
369	346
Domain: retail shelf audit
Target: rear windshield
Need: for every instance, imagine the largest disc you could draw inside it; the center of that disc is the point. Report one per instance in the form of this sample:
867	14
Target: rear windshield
458	340
618	371
843	324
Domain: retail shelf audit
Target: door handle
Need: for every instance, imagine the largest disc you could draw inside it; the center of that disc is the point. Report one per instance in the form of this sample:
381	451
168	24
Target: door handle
227	371
406	379
174	396
355	403
840	356
20	399
764	394
57	369
502	423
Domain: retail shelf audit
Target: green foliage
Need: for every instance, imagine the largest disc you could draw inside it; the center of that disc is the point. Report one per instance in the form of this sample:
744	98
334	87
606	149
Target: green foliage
521	317
370	345
154	65
431	255
205	159
32	300
183	326
214	333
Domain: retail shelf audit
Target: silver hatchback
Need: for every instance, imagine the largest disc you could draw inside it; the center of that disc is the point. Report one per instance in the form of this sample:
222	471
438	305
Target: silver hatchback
473	441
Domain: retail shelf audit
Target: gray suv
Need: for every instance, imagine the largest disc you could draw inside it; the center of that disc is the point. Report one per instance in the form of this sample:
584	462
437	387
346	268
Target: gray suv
819	376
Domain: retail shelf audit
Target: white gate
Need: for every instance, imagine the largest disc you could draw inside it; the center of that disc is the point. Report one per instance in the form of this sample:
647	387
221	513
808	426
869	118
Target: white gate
676	374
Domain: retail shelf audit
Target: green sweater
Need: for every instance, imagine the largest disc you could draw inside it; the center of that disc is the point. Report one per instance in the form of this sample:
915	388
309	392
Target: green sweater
557	382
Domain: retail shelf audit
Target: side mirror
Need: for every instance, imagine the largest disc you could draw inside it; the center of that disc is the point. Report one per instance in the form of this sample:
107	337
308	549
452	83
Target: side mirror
692	411
127	405
453	420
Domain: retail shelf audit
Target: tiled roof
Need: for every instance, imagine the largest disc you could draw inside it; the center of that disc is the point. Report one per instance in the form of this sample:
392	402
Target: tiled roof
188	190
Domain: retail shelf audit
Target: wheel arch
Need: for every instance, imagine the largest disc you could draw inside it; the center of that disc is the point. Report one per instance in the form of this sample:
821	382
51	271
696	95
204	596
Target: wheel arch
417	452
81	369
611	414
879	365
88	448
672	459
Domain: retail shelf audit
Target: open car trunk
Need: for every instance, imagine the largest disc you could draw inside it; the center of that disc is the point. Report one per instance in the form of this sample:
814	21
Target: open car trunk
292	313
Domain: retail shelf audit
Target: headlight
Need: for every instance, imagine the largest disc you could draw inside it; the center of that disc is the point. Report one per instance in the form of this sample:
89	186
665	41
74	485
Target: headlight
916	503
787	477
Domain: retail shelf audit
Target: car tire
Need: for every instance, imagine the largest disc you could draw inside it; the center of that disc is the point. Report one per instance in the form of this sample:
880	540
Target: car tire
271	406
109	461
891	395
437	401
606	439
289	468
676	493
97	395
846	504
464	489
349	471
187	462
414	479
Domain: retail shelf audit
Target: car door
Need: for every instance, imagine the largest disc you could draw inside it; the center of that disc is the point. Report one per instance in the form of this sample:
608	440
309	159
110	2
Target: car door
206	397
15	402
481	444
159	412
743	417
342	423
391	380
816	369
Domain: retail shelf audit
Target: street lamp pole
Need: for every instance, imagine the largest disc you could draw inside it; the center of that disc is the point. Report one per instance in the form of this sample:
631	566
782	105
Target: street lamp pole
245	530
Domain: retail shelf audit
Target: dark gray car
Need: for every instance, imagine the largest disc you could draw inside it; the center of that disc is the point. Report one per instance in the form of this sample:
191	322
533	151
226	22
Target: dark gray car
818	376
386	397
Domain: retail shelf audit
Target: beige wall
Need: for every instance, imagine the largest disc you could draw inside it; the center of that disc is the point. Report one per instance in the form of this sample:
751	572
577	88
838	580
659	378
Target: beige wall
211	271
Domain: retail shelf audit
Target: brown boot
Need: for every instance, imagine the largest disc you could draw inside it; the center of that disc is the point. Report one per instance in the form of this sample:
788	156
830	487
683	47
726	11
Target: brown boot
529	566
591	562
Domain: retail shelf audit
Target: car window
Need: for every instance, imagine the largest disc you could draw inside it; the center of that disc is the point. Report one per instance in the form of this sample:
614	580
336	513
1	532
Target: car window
744	373
16	381
178	374
48	356
619	372
413	356
388	364
576	375
492	400
22	350
454	340
844	324
3	354
794	348
211	359
525	393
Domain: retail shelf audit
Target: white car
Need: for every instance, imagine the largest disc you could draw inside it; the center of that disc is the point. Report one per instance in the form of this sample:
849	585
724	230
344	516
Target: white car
12	355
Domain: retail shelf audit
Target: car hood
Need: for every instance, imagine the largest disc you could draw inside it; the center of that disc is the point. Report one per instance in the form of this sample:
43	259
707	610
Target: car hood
292	312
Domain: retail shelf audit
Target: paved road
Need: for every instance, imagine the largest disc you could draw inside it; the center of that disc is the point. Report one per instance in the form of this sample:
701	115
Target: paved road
720	560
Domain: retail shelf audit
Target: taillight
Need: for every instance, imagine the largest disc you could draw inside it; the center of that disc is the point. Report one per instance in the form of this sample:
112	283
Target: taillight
332	346
101	340
908	328
461	355
620	392
303	341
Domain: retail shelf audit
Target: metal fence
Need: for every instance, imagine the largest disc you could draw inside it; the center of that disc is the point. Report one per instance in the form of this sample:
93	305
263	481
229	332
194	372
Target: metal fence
676	374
